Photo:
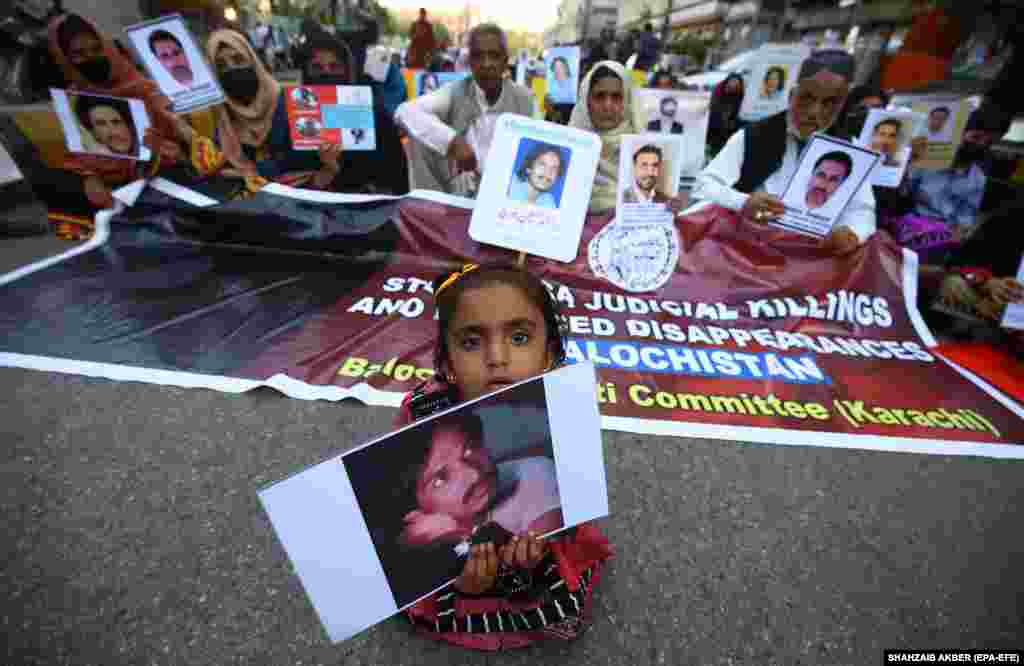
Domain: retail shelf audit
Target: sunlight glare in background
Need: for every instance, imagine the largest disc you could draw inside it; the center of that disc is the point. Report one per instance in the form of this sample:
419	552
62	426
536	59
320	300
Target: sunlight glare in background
530	15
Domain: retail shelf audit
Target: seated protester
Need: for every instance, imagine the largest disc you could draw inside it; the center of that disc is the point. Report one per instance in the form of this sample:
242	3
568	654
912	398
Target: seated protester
252	139
91	63
724	114
452	128
383	170
953	196
606	108
387	94
756	164
978	276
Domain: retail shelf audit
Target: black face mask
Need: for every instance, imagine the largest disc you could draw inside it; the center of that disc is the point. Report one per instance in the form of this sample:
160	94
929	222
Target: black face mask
96	70
241	83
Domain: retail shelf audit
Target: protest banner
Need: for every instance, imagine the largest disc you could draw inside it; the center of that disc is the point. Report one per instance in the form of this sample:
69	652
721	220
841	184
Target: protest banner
536	187
381	523
171	57
331	114
758	334
831	172
102	125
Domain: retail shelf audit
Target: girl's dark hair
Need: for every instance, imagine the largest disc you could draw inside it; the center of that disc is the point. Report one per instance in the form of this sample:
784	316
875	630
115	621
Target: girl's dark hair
604	72
71	26
488	275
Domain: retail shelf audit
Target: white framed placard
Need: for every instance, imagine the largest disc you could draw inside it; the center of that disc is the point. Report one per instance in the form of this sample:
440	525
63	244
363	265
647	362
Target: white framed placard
829	175
102	125
370	532
889	133
562	65
172	58
649	170
772	77
536	186
945	119
679	112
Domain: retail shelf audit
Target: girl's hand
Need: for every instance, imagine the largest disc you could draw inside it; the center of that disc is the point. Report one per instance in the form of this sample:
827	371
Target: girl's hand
1004	290
842	241
524	552
480	572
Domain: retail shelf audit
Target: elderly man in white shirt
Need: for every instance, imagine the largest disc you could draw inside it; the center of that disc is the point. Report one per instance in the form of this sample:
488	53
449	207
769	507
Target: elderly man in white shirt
452	128
755	165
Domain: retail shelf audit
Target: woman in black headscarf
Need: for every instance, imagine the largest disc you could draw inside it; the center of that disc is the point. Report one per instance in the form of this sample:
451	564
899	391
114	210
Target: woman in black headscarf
724	118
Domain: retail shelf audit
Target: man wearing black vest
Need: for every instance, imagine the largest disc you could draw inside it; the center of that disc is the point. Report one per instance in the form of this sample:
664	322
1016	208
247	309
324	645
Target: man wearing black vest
753	168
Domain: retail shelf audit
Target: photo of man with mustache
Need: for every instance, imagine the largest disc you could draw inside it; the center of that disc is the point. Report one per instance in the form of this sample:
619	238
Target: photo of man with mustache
830	172
168	50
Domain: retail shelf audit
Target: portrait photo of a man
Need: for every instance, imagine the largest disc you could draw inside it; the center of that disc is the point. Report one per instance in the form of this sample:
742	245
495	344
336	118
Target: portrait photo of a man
939	130
885	139
539	174
666	122
170	53
647	168
830	171
109	122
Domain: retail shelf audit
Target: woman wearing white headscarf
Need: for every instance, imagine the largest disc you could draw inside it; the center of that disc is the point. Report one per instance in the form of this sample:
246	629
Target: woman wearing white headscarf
606	107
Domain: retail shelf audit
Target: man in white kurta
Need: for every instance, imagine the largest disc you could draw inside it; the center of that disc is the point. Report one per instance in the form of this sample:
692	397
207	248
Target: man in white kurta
773	147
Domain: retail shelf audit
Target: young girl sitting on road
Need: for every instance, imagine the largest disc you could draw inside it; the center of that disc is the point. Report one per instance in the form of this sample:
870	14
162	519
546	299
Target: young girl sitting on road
498	325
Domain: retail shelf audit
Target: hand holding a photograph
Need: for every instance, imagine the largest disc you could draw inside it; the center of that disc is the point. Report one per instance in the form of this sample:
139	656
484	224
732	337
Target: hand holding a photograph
524	552
168	151
98	193
841	241
460	152
330	154
762	207
1004	290
480	572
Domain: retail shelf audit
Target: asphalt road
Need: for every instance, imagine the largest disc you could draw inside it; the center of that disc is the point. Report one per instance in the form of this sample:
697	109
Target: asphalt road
133	535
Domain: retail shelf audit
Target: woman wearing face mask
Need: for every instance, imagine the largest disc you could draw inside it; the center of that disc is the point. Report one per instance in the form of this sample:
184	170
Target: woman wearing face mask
92	64
384	170
606	107
251	139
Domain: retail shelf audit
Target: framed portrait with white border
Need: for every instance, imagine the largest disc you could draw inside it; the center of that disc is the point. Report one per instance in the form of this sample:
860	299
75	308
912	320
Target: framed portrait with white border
649	169
381	525
535	189
889	133
173	59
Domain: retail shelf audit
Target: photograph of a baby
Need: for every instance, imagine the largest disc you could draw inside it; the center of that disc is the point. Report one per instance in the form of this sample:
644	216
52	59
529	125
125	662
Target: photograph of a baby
484	474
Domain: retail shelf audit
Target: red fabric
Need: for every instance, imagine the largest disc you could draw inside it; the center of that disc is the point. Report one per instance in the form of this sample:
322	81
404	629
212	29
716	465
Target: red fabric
993	364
